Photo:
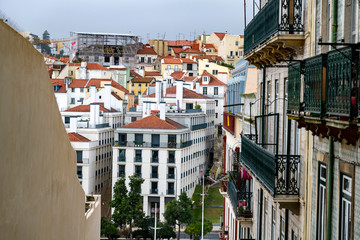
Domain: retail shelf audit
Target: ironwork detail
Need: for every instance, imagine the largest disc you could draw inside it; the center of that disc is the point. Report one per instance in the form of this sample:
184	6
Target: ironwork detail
275	16
287	174
339	82
260	161
314	84
294	86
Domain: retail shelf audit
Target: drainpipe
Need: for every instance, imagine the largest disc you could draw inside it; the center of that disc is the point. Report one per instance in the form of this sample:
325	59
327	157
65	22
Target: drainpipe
287	224
263	108
334	22
329	188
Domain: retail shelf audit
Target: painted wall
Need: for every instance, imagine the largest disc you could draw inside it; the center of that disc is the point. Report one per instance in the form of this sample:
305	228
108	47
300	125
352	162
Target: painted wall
42	197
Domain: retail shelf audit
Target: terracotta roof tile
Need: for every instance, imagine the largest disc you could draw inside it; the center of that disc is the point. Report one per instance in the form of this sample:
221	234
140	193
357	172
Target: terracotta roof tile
61	87
134	74
171	93
171	61
119	87
187	60
178	74
89	66
220	35
116	96
152	73
147	51
213	80
75	137
86	108
210	58
154	122
142	79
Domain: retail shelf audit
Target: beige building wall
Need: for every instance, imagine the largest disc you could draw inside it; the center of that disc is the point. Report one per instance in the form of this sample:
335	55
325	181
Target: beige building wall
204	64
160	47
41	194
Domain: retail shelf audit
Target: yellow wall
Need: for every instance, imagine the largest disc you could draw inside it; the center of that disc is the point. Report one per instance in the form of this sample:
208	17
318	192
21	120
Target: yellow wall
164	70
41	197
212	66
136	88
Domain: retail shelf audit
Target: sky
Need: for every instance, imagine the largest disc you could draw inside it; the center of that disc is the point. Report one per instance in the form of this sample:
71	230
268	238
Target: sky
174	19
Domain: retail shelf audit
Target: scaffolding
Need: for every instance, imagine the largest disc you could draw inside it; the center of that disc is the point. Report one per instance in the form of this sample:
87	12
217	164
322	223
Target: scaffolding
106	48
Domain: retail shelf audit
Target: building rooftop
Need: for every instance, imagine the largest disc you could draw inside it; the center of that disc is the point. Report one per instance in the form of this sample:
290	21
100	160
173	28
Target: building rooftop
154	122
75	137
89	66
171	93
86	108
213	80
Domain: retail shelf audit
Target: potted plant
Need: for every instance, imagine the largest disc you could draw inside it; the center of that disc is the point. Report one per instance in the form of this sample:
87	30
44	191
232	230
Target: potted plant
116	143
197	106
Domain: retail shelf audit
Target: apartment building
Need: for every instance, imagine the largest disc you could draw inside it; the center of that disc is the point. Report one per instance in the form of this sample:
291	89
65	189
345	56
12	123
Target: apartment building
168	146
298	162
146	57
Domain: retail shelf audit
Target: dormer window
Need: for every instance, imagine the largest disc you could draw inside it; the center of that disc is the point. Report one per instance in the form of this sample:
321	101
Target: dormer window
206	79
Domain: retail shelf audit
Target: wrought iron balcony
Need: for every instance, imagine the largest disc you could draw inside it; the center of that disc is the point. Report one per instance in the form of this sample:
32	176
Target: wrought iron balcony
278	173
294	86
229	122
137	159
198	126
186	144
223	186
278	24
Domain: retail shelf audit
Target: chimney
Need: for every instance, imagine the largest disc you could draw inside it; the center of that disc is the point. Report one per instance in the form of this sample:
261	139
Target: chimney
158	92
107	96
67	82
73	124
82	70
197	86
162	110
92	94
164	85
97	113
93	114
179	93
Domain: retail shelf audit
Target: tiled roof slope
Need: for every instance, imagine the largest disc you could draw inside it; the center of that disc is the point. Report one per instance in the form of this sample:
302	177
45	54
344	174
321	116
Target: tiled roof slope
171	93
75	137
220	35
213	80
89	66
154	122
86	108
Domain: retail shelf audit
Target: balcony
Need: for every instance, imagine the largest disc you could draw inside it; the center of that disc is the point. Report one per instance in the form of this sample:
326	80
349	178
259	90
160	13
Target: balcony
137	159
278	173
172	144
195	110
241	199
223	186
171	160
198	126
154	159
171	176
276	31
330	95
186	144
157	145
229	122
294	84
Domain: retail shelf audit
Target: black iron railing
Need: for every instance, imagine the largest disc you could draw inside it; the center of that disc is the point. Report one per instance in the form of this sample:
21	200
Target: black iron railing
275	16
294	86
287	175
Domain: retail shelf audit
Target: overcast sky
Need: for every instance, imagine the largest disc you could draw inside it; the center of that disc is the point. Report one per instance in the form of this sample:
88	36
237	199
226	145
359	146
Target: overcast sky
141	17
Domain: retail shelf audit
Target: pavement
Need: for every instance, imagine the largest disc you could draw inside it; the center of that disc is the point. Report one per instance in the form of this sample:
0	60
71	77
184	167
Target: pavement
214	234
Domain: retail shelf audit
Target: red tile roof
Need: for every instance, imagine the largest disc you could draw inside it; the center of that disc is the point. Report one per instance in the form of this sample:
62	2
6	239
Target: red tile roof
89	66
178	74
171	93
213	80
65	59
187	60
78	83
60	84
154	122
75	137
190	50
210	58
220	35
189	79
152	73
119	87
142	79
208	46
171	61
134	74
181	43
86	108
147	51
116	96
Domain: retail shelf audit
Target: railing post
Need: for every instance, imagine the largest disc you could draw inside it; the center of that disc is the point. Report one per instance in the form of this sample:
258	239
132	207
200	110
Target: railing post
288	156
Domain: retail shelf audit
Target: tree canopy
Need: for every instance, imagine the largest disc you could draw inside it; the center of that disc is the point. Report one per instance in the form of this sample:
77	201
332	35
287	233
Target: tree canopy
194	228
108	229
179	211
127	204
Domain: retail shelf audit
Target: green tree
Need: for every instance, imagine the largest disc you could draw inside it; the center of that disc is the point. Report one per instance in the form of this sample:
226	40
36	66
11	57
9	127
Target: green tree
108	229
227	65
179	211
127	204
194	228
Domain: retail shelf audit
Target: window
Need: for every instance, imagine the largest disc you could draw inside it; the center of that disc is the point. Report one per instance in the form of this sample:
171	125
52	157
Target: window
320	232
170	188
138	139
176	68
67	119
216	115
172	141
81	100
171	173
139	84
133	119
122	153
149	59
236	43
207	65
155	156
142	59
139	93
345	208
216	90
79	171
168	67
79	156
282	228
216	103
189	66
154	172
154	187
72	101
122	139
72	89
191	74
214	72
138	156
276	94
132	84
273	223
96	59
121	171
265	218
155	140
205	90
231	53
138	171
259	217
171	157
81	89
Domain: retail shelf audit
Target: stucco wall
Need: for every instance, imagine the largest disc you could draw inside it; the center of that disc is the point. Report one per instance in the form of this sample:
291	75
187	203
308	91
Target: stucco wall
41	197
